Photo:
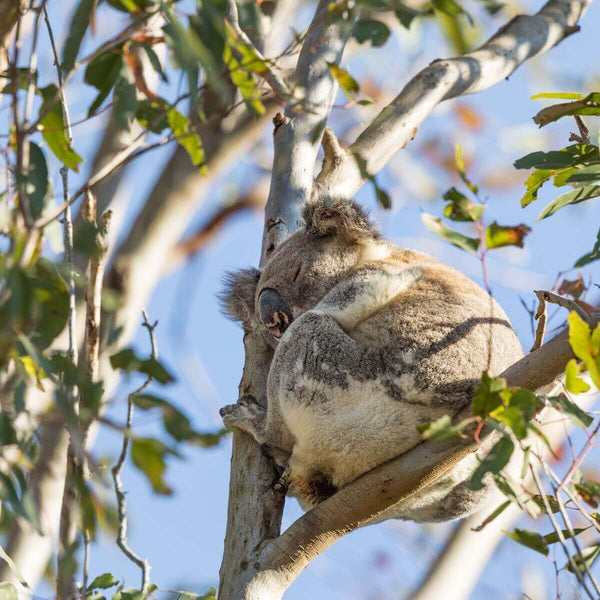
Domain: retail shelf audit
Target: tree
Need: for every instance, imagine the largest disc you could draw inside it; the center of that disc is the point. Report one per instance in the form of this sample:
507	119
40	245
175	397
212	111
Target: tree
53	355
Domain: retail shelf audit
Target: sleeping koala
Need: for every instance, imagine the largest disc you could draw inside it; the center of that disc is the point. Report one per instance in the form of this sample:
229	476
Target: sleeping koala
372	340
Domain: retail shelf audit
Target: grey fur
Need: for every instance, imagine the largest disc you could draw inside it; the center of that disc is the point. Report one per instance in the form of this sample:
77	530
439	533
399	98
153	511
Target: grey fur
383	339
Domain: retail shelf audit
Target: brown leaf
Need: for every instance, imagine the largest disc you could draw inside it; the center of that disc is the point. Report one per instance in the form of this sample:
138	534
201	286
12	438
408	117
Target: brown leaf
468	117
573	288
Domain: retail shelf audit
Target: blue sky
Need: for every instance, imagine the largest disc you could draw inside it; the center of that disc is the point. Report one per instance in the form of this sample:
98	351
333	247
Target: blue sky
182	535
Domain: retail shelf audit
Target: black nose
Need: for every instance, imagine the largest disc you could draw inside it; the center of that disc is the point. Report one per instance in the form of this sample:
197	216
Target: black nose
274	313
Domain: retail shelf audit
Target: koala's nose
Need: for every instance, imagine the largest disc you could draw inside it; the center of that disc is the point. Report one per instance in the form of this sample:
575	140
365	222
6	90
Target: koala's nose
274	312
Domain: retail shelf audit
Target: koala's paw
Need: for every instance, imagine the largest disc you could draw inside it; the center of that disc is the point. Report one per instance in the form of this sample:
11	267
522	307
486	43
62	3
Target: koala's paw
247	415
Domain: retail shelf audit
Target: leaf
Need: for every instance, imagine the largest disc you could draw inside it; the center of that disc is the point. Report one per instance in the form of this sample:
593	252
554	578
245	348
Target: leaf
494	462
460	166
37	181
8	591
457	239
151	115
491	517
580	339
346	82
572	287
24	506
244	81
552	503
452	8
367	29
589	491
559	95
497	236
125	103
486	397
128	362
441	429
553	538
54	130
588	557
591	256
460	208
406	14
513	492
513	418
533	183
148	455
588	174
77	28
531	539
573	383
189	140
575	197
590	105
559	159
103	582
102	73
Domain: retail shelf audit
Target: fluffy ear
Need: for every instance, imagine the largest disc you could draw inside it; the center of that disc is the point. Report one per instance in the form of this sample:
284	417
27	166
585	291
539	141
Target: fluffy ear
237	297
344	217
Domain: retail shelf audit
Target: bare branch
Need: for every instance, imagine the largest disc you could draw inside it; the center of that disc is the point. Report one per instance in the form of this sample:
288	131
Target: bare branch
520	39
540	316
570	305
122	542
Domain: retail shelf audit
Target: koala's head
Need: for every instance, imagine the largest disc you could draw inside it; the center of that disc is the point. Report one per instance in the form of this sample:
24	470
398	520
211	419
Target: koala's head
336	237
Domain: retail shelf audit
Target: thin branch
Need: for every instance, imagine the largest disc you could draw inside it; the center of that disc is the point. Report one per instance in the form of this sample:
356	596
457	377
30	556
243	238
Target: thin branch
269	74
514	43
584	132
122	542
580	458
570	305
540	316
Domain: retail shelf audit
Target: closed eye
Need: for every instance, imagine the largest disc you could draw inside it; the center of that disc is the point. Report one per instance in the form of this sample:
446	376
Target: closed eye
297	273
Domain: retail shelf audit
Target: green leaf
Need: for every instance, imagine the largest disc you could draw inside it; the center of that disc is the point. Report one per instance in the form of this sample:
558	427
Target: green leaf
151	115
54	130
460	208
580	338
367	29
148	455
495	514
406	15
457	239
441	429
588	557
573	382
452	8
460	166
589	491
244	81
37	181
486	397
513	418
154	60
559	95
533	184
127	361
591	256
559	159
79	24
553	538
514	493
103	582
494	462
125	98
552	503
588	174
102	73
346	82
497	236
8	591
531	539
188	139
24	506
575	197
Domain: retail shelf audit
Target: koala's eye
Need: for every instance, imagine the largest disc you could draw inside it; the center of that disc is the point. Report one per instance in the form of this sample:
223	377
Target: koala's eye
296	273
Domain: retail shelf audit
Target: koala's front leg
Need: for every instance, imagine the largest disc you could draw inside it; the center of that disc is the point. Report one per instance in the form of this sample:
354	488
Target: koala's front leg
247	415
364	293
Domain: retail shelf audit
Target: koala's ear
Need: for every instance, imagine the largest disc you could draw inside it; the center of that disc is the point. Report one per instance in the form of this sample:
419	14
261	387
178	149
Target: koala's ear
343	217
237	297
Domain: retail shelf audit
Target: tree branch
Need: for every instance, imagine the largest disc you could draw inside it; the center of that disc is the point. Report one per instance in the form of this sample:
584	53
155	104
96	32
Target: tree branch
282	559
522	38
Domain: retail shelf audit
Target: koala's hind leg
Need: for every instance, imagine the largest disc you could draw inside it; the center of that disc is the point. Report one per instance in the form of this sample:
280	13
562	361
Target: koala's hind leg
369	290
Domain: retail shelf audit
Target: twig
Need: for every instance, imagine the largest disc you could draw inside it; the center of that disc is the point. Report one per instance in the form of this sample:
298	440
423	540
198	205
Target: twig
559	533
122	542
584	132
570	305
580	458
540	316
268	73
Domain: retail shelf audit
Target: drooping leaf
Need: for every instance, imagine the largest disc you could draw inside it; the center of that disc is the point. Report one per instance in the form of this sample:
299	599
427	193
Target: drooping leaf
346	82
575	197
591	256
491	517
457	239
460	166
103	582
37	181
497	236
127	361
531	539
553	538
187	138
148	455
368	29
494	462
460	208
54	131
244	81
588	557
573	382
102	73
23	506
77	28
125	101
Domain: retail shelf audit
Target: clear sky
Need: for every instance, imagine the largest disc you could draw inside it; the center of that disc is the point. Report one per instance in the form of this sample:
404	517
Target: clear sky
182	535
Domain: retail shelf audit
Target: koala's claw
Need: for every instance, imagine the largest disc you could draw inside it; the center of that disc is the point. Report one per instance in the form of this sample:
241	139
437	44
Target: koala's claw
247	415
284	481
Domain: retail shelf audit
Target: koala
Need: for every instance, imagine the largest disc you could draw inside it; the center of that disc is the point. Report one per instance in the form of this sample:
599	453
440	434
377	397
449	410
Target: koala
371	341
